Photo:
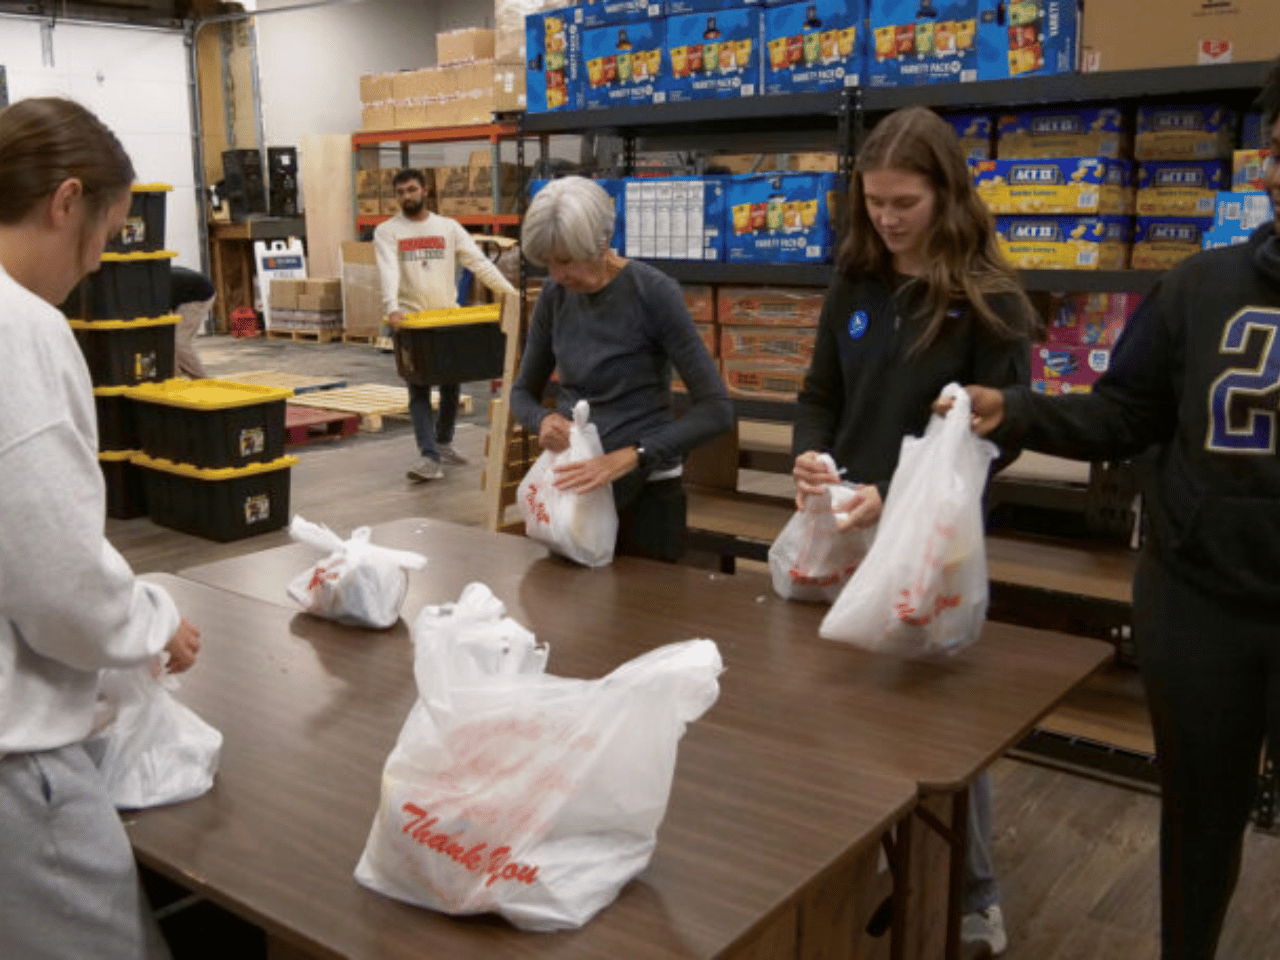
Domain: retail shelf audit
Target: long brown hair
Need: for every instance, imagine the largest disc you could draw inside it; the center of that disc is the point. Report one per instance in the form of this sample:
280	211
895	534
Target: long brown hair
963	260
46	141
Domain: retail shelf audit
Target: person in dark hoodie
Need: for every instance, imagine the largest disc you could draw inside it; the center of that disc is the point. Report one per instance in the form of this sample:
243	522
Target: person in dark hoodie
922	297
1196	375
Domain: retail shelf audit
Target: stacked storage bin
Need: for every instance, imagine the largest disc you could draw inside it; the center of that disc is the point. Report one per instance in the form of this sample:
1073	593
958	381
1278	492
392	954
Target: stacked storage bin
213	456
120	317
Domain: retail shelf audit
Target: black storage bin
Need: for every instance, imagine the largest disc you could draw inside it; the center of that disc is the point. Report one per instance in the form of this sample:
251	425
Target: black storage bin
218	505
123	353
125	287
117	425
451	346
126	487
211	424
144	230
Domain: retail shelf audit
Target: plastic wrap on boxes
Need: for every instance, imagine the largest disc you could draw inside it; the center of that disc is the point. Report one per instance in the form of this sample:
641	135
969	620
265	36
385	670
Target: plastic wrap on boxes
361	290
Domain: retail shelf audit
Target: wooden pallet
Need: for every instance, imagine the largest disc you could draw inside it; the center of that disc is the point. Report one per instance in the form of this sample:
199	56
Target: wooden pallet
371	402
311	336
292	381
369	338
306	425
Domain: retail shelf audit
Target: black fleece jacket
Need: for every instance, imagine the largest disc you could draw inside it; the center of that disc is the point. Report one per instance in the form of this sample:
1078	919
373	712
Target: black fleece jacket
866	389
1197	374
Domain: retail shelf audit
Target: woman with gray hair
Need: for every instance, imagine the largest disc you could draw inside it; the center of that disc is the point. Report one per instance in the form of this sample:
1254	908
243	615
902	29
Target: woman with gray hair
615	329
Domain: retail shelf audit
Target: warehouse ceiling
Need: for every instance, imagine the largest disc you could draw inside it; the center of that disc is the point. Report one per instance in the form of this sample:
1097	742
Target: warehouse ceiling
163	13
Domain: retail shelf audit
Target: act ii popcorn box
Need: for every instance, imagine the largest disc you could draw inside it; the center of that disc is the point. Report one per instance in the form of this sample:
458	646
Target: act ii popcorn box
1035	134
1065	243
1078	185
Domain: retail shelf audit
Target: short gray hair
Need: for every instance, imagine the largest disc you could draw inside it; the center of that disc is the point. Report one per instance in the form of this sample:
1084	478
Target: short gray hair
570	217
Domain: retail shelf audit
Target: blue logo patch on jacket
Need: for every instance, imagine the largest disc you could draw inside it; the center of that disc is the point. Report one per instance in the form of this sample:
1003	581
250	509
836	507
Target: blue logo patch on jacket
858	324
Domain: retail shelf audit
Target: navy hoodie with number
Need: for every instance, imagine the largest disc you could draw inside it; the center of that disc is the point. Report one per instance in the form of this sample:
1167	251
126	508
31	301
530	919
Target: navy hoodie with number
1197	374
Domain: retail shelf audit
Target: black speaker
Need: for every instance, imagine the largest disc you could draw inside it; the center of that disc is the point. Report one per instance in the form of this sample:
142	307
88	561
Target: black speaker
242	183
282	171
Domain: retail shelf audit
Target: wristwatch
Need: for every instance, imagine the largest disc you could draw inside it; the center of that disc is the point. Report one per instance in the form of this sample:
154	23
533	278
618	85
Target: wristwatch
643	455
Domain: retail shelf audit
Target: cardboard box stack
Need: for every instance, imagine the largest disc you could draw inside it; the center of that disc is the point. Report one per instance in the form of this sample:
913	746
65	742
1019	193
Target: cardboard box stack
458	92
468	191
361	292
700	300
307	306
1077	349
766	339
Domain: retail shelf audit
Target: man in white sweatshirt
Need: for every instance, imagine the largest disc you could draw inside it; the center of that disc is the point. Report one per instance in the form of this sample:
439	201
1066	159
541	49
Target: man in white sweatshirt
418	255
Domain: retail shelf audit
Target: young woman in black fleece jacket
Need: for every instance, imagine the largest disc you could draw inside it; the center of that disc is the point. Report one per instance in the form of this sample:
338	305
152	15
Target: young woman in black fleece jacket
1196	374
922	297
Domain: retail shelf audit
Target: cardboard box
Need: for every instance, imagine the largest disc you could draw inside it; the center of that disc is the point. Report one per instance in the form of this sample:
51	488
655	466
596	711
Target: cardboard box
763	380
1065	243
369	206
554	78
814	46
710	339
907	49
1058	370
509	25
1247	170
464	46
815	163
602	13
1038	134
700	301
782	345
453	181
1173	188
388	206
320	286
1184	133
509	86
1091	319
368	184
480	176
1141	34
975	131
375	87
361	290
680	8
1026	38
412	116
387	181
1058	186
328	302
780	218
674	218
769	306
283	294
713	57
623	66
1236	216
1163	242
379	116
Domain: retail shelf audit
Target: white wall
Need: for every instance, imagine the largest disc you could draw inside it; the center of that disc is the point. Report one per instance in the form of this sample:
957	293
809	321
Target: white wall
135	80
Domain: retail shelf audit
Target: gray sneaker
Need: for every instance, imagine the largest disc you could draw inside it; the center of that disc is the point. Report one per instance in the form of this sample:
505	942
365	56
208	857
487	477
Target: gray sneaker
451	456
428	469
985	926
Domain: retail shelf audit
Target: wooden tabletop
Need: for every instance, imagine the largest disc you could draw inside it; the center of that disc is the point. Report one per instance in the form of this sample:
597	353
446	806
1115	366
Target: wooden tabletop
1094	571
309	711
937	722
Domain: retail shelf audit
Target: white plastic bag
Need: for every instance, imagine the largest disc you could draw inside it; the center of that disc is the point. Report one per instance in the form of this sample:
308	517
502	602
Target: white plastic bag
580	526
358	583
512	791
157	750
811	560
923	586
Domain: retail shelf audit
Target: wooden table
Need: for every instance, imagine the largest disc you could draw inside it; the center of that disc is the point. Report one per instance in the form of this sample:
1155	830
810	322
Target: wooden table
747	867
231	260
935	722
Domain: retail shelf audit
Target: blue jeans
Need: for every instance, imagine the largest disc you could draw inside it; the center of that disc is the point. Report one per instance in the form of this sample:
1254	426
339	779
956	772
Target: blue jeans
430	432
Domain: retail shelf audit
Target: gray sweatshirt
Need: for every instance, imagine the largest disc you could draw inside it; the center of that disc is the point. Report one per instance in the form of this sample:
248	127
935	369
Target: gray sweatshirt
616	348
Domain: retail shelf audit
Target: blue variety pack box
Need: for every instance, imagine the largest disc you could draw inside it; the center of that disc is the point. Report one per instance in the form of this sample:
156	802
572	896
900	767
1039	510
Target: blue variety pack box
1064	132
1162	242
1175	188
814	46
1065	243
675	218
554	77
678	8
1253	134
780	217
1077	185
714	55
1238	214
612	187
912	42
603	13
1026	38
1205	132
625	65
974	131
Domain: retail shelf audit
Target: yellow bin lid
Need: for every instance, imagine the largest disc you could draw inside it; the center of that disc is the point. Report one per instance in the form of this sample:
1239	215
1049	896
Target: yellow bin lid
207	394
109	391
116	455
204	473
152	188
170	320
139	256
452	317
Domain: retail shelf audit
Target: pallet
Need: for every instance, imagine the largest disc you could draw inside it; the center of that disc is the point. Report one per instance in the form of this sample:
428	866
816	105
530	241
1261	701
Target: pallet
372	402
311	336
292	381
306	425
369	338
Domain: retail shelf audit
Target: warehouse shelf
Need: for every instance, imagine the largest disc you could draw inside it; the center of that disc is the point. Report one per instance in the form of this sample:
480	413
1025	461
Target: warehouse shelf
491	131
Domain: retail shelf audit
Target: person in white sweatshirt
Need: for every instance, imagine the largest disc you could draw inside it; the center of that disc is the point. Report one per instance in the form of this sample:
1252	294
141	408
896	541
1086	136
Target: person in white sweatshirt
69	604
418	255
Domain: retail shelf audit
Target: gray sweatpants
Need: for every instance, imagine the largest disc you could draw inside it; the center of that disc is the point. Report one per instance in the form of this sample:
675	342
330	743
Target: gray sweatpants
980	888
68	883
